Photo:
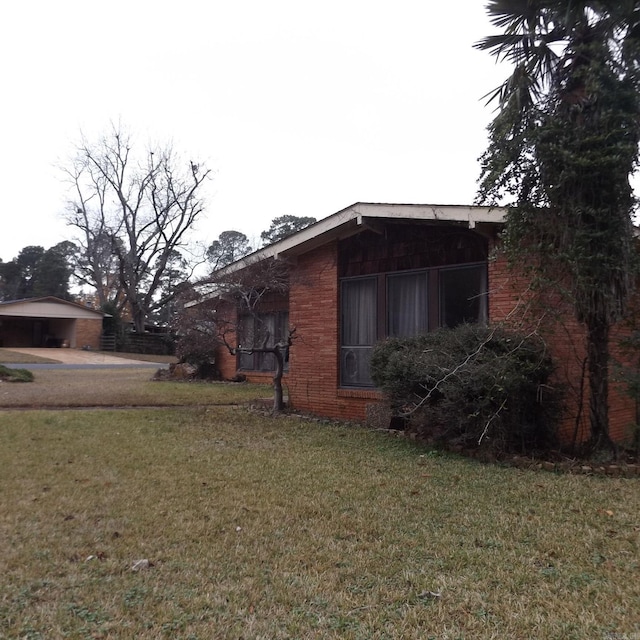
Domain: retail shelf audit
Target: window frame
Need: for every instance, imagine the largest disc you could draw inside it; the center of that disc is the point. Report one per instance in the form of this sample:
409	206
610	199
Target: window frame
259	361
434	306
357	350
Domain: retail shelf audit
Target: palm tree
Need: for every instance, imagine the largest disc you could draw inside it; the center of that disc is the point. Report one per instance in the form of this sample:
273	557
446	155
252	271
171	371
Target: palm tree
561	150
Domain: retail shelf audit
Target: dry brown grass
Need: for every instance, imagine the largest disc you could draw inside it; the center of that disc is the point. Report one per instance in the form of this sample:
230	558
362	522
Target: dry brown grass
15	357
264	528
277	528
120	387
141	356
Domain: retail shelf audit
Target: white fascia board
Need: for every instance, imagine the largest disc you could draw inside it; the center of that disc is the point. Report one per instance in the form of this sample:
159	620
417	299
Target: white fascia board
447	213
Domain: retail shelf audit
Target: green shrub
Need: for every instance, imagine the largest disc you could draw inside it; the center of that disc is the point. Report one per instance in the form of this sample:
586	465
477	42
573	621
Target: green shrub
15	375
471	386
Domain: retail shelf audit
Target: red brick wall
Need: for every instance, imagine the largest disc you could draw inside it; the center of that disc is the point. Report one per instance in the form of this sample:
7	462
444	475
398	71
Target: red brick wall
226	362
314	364
88	332
313	312
314	361
510	301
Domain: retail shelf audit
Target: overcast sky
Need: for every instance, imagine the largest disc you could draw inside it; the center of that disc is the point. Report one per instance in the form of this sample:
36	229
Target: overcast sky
299	107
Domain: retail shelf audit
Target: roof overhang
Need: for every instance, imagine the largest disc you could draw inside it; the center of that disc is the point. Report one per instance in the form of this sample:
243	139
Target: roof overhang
363	215
47	307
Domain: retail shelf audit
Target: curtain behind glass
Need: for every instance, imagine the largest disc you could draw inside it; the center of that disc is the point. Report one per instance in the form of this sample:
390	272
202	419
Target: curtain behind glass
359	312
359	322
407	304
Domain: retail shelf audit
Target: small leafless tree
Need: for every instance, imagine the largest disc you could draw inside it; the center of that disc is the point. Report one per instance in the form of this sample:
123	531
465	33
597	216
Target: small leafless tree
223	304
133	212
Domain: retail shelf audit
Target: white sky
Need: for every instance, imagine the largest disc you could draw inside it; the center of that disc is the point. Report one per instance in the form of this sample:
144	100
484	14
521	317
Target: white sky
300	107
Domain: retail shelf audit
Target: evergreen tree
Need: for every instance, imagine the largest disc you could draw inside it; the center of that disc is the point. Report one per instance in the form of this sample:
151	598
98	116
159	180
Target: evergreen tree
561	151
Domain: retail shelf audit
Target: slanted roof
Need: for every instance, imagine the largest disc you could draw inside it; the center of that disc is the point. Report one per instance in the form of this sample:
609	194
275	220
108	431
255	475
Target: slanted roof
361	215
47	307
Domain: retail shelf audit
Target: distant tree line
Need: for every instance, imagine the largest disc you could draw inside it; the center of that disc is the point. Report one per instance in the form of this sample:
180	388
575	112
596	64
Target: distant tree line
233	245
37	272
133	209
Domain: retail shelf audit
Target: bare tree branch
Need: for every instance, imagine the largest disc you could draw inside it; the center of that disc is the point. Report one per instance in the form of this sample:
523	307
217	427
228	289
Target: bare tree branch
132	215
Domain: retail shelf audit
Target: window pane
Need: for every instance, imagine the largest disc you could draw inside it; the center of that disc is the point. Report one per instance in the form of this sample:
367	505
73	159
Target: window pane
463	295
407	304
354	366
359	312
245	339
246	361
359	307
265	362
259	331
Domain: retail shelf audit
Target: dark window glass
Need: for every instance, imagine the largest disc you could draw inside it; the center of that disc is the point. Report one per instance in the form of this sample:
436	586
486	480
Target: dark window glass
262	330
463	295
359	333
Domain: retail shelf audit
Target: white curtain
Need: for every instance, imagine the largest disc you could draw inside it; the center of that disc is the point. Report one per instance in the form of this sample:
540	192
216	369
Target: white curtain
407	304
359	312
359	330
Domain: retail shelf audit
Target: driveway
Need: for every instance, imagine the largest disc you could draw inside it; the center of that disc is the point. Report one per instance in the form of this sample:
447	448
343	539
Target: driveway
77	358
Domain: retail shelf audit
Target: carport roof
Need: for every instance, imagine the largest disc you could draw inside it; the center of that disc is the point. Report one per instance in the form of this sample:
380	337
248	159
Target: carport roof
47	307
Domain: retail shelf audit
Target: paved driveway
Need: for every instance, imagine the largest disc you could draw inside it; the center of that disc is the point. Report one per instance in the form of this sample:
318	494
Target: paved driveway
80	358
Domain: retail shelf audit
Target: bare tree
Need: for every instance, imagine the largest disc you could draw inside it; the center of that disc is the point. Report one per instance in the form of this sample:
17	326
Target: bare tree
133	212
228	311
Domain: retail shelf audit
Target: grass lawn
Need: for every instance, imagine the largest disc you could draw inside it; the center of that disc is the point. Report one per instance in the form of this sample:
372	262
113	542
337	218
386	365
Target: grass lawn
279	528
16	357
120	387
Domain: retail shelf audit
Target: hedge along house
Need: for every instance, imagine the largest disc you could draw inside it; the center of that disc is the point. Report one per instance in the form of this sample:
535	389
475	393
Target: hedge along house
49	322
376	270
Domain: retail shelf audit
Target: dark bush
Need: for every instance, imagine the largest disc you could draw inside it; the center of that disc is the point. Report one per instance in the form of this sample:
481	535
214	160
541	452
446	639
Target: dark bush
471	386
197	348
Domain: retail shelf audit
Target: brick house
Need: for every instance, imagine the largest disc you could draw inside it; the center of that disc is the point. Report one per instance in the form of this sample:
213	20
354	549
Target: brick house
375	270
49	322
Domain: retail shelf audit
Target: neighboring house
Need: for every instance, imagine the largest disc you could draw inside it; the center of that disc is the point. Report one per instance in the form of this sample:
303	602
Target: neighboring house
49	322
376	270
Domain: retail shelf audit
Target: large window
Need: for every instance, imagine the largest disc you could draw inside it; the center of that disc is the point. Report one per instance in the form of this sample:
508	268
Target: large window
404	304
262	330
359	331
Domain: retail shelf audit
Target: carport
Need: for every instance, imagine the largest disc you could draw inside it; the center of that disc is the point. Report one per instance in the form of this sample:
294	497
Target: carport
49	322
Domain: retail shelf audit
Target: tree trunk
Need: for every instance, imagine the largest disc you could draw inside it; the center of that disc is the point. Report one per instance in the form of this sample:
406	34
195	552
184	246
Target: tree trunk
598	357
138	317
278	395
